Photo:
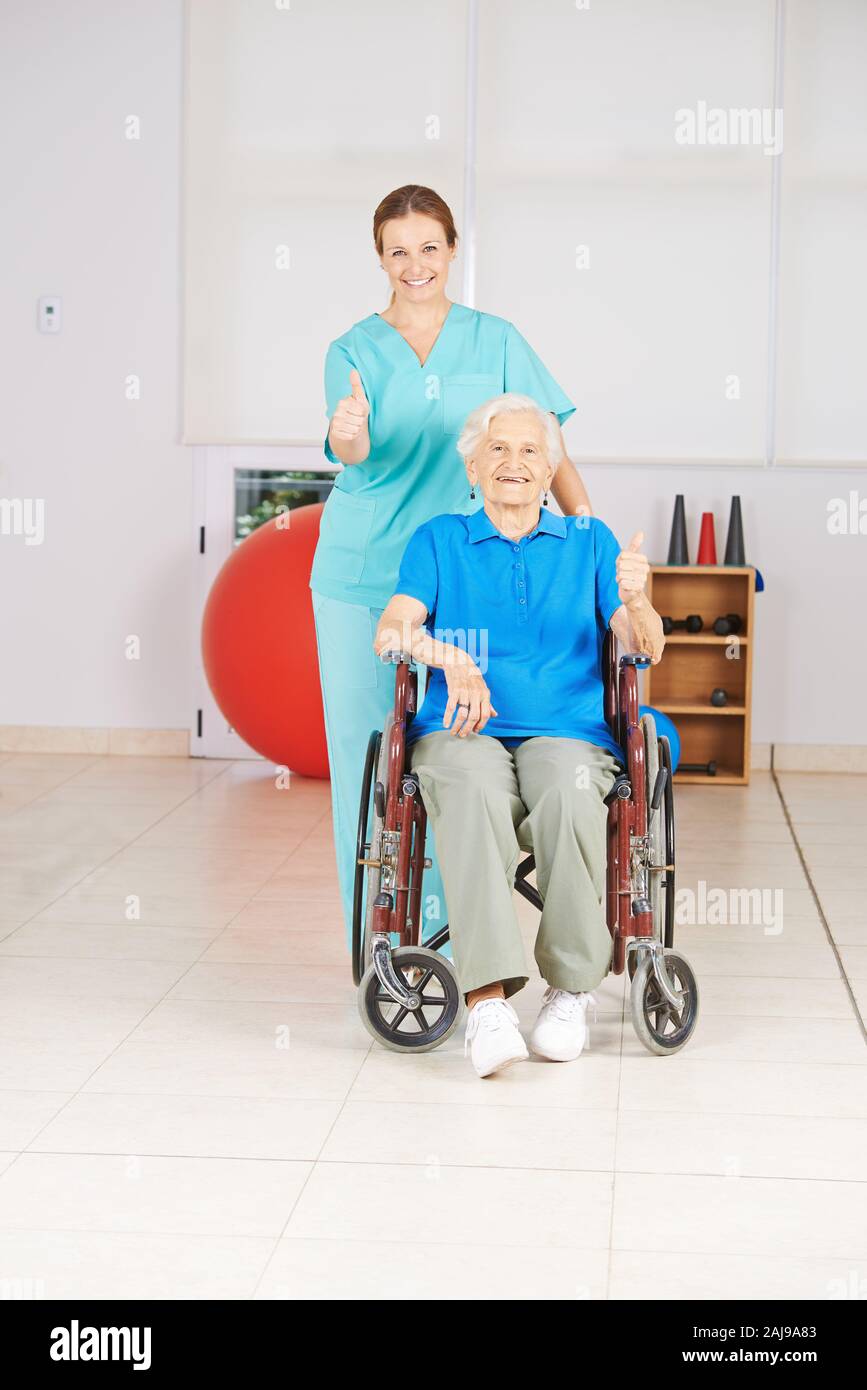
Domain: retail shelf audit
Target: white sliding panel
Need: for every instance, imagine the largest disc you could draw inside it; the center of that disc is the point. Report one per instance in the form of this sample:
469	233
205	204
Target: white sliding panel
637	266
299	119
822	382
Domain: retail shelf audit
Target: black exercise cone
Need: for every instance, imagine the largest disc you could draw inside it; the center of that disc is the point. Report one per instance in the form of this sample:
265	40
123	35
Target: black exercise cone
677	549
735	539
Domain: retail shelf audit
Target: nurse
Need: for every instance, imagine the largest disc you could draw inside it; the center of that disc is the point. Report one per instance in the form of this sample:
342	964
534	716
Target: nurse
399	386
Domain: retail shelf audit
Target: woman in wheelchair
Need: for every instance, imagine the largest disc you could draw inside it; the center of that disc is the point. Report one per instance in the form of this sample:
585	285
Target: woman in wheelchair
510	746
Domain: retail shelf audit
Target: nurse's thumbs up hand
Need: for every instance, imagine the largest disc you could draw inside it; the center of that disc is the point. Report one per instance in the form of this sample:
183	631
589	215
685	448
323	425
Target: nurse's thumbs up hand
632	570
350	418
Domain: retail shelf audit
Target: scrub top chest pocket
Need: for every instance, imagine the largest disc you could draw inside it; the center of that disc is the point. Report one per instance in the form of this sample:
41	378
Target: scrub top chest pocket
461	394
343	536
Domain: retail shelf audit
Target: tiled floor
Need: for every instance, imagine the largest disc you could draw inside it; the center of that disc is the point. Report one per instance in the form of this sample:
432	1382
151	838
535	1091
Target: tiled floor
189	1106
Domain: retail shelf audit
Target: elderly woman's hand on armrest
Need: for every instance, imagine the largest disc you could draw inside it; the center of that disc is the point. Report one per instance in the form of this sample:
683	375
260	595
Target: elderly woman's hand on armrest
637	626
469	702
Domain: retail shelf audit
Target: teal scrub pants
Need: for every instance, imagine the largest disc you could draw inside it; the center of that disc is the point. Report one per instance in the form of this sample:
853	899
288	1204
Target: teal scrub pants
357	694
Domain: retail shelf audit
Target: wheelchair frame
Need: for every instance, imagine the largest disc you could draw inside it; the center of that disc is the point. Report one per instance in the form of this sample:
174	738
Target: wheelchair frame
640	893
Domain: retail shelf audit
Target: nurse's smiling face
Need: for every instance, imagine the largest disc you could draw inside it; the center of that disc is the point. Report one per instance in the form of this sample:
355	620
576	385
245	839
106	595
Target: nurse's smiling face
511	464
416	257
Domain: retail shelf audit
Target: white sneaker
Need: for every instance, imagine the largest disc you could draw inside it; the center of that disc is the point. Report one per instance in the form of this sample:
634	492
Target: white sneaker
492	1028
560	1031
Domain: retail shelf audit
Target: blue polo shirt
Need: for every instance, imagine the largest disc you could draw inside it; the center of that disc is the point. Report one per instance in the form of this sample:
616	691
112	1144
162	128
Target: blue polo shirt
531	613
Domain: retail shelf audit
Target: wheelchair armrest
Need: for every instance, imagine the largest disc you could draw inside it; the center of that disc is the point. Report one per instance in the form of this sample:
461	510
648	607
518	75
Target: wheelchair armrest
395	657
621	789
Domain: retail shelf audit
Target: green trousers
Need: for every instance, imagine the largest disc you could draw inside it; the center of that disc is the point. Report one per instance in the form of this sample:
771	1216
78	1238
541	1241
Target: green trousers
486	804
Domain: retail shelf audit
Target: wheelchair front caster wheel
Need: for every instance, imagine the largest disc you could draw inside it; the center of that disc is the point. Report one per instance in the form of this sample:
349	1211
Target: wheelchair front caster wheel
412	1030
661	1027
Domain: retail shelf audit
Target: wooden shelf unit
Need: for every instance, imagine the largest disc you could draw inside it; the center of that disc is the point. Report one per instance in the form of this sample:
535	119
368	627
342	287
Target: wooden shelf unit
681	684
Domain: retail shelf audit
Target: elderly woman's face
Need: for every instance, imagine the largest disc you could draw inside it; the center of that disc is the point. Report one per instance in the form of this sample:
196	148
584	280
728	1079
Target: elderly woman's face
511	464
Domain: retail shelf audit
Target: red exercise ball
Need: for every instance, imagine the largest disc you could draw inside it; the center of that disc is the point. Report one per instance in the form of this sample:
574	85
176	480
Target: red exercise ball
259	643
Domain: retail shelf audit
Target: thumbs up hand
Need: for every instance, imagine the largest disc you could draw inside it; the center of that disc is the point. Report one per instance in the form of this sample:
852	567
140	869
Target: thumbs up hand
350	418
642	625
632	570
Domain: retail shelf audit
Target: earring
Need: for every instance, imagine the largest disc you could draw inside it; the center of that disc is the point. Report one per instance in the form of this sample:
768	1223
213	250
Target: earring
472	491
545	499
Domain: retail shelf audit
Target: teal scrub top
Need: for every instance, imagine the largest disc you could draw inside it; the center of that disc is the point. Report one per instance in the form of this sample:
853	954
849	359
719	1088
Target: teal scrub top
413	471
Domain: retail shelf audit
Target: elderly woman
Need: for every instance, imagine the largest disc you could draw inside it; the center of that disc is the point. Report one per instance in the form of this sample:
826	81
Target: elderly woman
511	737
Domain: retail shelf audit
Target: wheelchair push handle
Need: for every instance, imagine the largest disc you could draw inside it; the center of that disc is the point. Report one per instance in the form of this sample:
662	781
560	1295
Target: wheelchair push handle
395	657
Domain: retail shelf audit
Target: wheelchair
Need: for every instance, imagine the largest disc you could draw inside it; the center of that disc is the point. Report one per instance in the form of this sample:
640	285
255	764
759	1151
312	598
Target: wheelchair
408	994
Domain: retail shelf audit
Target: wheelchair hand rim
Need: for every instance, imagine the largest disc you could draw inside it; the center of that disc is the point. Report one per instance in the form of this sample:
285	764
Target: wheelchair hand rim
371	762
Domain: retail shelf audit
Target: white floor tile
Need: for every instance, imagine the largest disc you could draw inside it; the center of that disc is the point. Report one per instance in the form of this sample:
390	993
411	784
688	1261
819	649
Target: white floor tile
740	1216
487	1136
779	961
65	940
295	983
768	997
189	1126
299	1073
721	1038
436	1204
446	1077
229	1023
639	1274
91	979
71	1265
752	1146
48	1064
344	1269
135	1192
24	1113
150	909
731	1088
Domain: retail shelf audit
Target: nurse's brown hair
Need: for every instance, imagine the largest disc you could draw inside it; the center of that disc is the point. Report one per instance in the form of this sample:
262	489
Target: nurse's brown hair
413	197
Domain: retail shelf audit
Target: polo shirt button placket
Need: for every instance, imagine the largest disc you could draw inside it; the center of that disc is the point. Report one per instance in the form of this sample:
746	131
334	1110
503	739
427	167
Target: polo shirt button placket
519	570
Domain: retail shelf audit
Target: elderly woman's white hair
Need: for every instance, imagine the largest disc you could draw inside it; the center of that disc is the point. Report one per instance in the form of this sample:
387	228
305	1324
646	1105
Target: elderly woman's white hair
478	422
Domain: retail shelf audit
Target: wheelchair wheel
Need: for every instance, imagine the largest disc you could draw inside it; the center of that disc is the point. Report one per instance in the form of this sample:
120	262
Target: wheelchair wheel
663	1028
413	1030
371	811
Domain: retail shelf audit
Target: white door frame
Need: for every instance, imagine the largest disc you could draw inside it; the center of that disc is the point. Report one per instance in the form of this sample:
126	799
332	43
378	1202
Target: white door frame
213	540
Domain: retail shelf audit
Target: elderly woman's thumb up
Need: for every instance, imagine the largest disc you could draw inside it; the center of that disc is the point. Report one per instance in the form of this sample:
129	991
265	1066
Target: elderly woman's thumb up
632	570
643	630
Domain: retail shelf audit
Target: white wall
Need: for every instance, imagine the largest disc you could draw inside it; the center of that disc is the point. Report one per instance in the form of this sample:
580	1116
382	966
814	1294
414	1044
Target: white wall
94	217
97	218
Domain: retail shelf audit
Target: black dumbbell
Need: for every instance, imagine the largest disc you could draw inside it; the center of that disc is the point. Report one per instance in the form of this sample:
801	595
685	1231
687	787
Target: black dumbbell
719	697
723	627
709	769
691	624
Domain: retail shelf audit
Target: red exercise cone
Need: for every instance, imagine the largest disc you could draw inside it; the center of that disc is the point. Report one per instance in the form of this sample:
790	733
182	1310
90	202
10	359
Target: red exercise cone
707	541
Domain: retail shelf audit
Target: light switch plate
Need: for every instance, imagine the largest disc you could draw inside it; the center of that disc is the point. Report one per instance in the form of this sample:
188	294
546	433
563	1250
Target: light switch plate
49	313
